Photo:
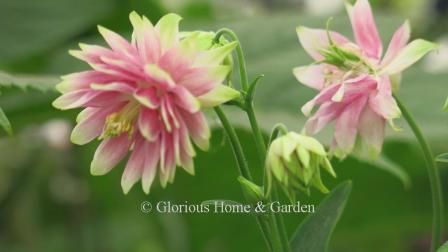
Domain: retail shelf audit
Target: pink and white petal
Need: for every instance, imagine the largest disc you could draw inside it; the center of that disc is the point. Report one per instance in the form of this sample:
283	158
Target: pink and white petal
185	100
134	167
398	42
347	124
150	165
174	63
198	128
371	129
147	42
325	95
217	96
168	29
162	78
314	40
312	76
384	105
82	80
105	99
71	99
109	153
113	86
116	42
147	97
149	124
203	79
365	30
324	115
215	56
91	125
408	56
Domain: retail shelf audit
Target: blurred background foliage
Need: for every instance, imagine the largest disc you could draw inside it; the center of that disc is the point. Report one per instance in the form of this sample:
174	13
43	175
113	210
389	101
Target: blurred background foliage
50	202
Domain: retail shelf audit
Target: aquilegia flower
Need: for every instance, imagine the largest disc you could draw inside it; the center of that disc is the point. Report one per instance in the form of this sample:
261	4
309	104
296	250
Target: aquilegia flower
146	96
354	80
295	161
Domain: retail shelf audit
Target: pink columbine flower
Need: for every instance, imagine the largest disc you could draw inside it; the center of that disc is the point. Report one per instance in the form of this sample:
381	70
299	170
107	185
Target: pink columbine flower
146	96
354	80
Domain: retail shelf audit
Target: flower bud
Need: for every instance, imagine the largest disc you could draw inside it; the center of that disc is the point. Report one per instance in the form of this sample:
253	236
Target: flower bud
253	192
295	160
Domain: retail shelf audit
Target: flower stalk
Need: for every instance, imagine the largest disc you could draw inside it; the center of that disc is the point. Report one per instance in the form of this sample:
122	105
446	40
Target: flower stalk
433	173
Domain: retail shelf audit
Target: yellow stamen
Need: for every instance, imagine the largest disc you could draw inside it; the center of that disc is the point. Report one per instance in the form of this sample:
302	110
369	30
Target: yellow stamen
121	122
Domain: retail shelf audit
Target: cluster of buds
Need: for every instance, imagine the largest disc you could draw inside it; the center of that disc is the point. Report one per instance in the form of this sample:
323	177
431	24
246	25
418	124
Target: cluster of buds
295	161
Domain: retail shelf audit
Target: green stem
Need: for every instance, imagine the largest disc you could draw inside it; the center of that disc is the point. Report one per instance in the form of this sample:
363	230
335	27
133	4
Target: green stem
433	173
242	165
257	134
239	53
281	224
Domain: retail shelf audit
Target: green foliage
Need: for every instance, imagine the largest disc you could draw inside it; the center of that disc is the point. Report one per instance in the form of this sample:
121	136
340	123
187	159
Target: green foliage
315	231
442	158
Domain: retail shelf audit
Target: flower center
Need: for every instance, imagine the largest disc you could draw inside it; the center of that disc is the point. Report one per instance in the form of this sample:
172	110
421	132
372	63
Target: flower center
121	122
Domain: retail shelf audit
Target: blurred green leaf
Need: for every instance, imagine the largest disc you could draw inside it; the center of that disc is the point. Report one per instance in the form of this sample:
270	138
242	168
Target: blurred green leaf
43	83
4	122
28	27
315	231
442	158
384	163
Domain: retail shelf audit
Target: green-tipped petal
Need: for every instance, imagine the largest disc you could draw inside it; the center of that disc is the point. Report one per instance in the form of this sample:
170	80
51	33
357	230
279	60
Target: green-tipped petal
218	95
408	56
168	27
216	56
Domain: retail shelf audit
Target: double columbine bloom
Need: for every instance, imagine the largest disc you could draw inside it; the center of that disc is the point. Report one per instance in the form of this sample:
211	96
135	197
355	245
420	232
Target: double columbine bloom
295	161
146	96
354	81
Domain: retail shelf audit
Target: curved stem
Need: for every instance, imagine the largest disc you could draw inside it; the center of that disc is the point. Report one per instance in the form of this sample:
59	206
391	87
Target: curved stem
242	165
433	173
240	55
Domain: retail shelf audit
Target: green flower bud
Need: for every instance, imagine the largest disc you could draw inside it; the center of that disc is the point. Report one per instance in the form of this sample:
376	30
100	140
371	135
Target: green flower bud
295	161
253	192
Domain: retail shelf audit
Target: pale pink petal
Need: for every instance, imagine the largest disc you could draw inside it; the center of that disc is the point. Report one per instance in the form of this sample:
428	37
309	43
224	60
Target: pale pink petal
324	115
384	105
314	40
150	165
325	95
365	29
347	124
134	167
398	42
371	129
109	153
312	76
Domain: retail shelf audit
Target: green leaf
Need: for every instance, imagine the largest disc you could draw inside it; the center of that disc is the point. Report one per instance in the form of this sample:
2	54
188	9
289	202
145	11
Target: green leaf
315	231
43	83
4	122
31	27
444	248
442	158
384	163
